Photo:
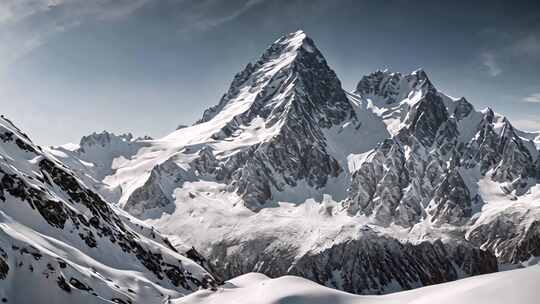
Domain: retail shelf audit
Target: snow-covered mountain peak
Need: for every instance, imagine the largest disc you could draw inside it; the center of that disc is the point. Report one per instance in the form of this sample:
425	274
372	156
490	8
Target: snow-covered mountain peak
294	42
278	78
98	155
295	39
104	138
387	88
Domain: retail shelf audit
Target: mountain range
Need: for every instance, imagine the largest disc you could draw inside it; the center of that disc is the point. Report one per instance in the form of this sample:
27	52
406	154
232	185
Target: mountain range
393	186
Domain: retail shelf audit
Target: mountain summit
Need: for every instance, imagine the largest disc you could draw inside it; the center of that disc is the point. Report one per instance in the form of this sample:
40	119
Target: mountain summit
284	74
291	76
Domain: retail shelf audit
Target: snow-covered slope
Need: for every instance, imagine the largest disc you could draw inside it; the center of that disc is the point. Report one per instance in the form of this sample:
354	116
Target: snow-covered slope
60	242
99	155
516	286
290	174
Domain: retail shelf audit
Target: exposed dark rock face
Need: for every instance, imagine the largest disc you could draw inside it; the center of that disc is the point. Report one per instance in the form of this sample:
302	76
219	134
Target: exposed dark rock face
207	163
103	139
51	210
156	193
377	186
79	285
239	80
369	265
4	267
452	200
151	195
380	83
512	234
55	174
393	188
195	256
463	109
63	284
427	116
253	255
404	174
392	87
503	152
471	259
516	161
483	148
537	166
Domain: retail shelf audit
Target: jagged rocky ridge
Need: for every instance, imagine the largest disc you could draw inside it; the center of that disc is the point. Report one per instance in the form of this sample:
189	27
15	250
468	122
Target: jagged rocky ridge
424	171
62	241
367	264
97	156
284	171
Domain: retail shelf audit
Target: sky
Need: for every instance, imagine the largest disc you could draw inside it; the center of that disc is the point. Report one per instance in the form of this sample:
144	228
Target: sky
72	67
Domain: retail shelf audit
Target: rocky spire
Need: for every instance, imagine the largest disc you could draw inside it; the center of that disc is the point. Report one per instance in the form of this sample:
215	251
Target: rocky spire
391	87
291	70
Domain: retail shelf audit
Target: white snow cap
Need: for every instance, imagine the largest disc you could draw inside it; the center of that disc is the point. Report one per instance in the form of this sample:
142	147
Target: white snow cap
297	40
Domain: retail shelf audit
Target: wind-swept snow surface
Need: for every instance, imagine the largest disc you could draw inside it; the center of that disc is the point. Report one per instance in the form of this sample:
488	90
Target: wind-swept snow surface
515	286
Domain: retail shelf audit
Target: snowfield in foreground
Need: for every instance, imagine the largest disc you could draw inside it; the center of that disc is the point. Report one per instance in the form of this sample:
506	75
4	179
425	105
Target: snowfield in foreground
515	286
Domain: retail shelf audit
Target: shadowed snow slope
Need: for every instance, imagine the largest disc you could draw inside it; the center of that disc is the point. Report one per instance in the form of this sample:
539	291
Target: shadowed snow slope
515	286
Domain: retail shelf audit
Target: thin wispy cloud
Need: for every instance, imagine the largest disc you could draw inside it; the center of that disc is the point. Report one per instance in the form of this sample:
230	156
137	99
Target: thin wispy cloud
528	45
533	98
14	11
27	24
504	49
235	14
489	60
200	16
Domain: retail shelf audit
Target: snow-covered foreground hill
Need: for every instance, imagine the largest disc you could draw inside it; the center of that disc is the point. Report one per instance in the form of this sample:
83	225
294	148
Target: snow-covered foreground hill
61	243
515	286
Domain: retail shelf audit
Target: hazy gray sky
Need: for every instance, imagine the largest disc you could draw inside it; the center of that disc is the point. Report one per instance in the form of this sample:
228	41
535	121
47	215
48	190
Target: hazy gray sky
71	67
